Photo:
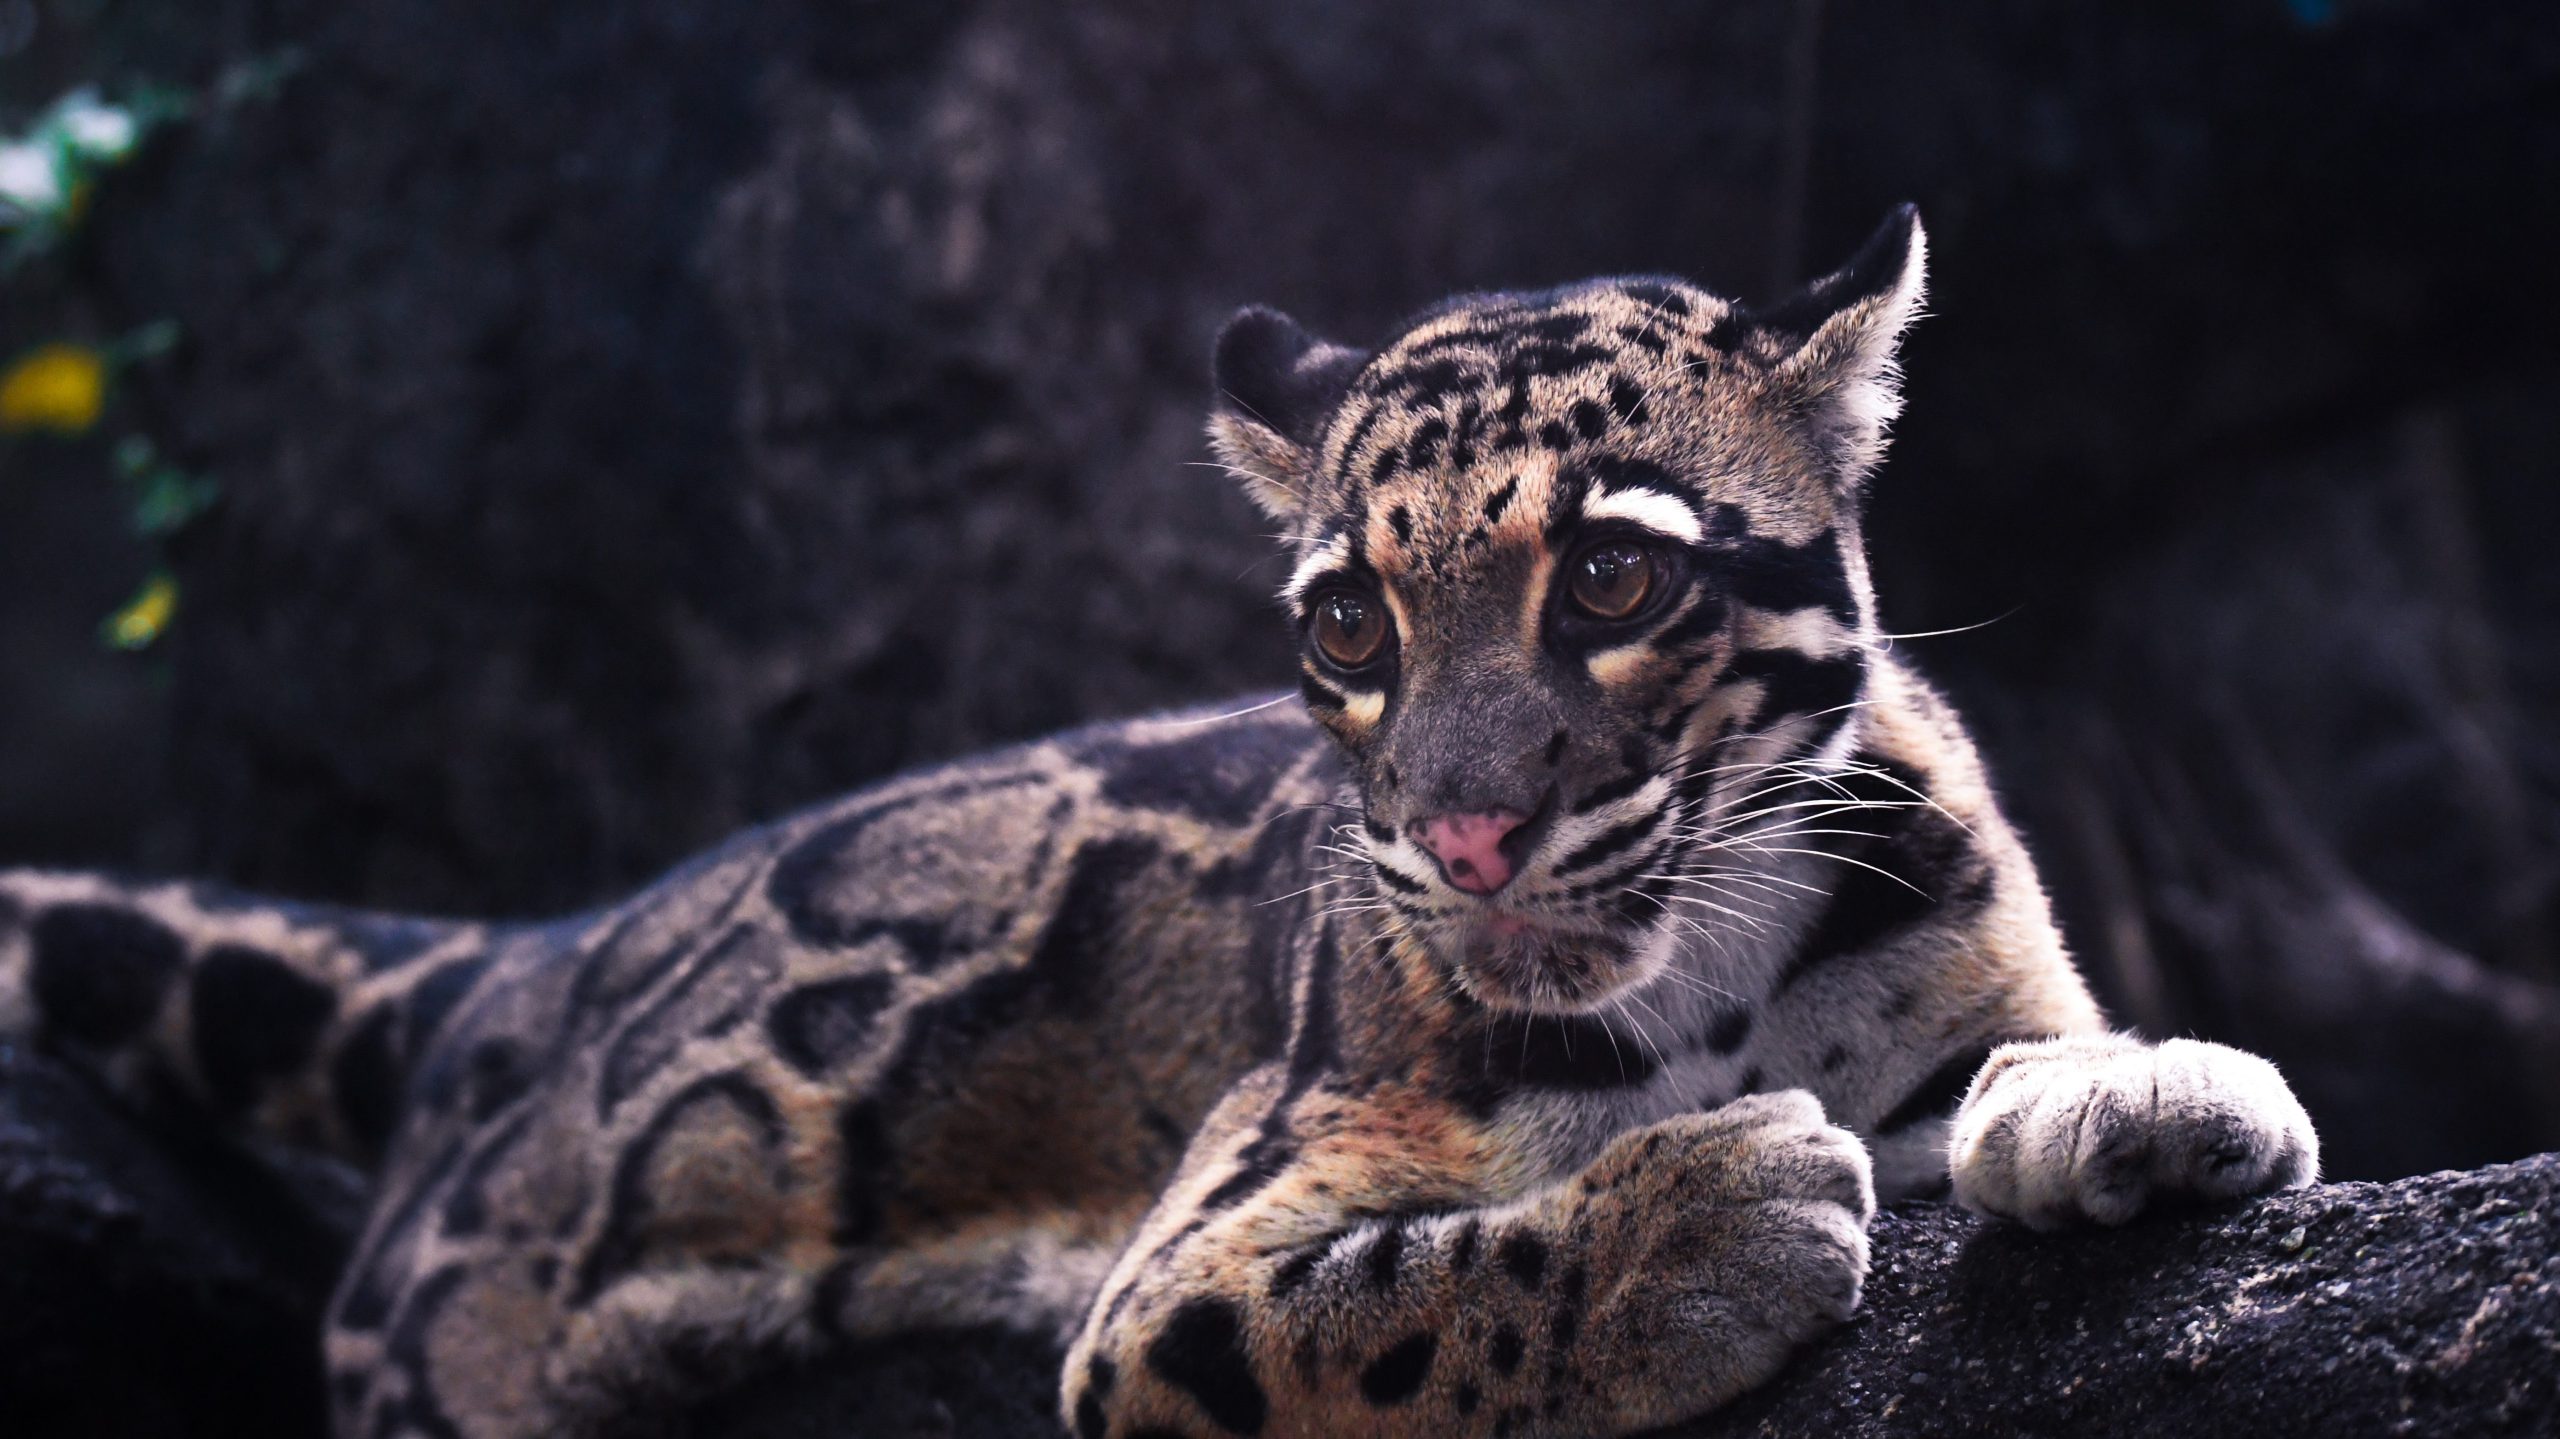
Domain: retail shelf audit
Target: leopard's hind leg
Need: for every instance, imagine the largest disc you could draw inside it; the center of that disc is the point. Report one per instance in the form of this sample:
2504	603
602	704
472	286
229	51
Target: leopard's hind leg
493	1348
531	1285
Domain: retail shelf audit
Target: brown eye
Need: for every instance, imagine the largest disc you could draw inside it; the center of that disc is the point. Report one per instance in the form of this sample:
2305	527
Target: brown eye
1612	579
1351	629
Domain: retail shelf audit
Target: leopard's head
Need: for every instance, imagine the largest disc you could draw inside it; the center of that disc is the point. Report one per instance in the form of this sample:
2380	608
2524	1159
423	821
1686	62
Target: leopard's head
1573	570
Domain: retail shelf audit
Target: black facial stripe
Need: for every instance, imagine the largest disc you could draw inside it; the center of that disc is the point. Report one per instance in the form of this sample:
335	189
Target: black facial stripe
1799	684
1704	618
1319	694
1415	909
1690	789
1597	889
1396	879
1608	842
1685	671
1614	473
1607	474
1773	575
1825	725
1606	794
1358	437
1647	898
1602	885
1564	502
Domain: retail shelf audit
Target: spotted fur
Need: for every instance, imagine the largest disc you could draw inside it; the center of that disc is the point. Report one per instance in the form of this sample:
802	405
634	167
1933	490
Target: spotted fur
1174	1041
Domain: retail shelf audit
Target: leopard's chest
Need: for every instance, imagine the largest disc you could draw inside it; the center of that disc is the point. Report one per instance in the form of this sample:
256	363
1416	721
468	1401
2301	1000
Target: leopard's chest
1561	1130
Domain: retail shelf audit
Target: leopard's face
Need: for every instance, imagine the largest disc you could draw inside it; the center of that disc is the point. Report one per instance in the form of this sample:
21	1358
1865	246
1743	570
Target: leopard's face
1573	570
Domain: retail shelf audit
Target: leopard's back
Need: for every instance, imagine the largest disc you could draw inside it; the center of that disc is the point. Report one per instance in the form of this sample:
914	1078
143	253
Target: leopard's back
899	1060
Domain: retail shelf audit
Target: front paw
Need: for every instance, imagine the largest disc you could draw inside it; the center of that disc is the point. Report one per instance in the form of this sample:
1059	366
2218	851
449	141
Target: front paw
2092	1129
1740	1235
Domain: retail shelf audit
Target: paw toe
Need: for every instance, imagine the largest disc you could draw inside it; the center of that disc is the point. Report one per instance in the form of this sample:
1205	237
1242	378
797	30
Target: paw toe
1841	1172
1792	1109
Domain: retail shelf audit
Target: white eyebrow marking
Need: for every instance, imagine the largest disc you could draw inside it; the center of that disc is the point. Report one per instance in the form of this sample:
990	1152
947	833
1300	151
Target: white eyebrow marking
1661	513
1334	555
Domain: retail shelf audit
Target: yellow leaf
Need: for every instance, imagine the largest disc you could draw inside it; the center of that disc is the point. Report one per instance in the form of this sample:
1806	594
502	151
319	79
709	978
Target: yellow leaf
54	387
146	616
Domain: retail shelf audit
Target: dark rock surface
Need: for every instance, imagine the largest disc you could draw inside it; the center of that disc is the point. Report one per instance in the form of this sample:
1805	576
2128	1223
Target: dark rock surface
146	1290
2430	1306
2427	1306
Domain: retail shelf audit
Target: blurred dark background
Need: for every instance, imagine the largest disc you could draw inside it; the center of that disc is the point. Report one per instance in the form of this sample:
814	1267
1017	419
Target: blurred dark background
634	421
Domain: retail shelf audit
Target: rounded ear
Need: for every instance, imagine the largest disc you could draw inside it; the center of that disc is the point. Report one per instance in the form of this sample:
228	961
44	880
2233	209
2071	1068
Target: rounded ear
1839	335
1277	386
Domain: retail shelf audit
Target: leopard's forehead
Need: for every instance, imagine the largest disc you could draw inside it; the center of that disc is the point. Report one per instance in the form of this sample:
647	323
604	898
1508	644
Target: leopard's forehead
1495	418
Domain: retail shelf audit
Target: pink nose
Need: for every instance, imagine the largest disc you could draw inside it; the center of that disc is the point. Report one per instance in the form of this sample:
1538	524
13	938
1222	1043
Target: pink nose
1469	847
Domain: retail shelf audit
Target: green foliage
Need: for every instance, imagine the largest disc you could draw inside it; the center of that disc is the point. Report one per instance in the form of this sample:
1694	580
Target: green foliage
163	497
48	173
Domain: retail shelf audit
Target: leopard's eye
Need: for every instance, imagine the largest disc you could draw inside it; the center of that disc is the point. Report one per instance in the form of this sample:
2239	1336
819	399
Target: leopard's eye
1350	628
1613	579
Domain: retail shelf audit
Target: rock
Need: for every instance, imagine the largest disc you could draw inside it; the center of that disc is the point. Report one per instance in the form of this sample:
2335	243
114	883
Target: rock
150	1285
2426	1306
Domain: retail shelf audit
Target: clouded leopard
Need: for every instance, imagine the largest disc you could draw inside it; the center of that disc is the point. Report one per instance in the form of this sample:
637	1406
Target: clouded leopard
1509	1033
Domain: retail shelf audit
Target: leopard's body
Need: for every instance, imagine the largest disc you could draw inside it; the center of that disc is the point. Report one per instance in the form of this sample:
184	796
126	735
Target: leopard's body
1201	1043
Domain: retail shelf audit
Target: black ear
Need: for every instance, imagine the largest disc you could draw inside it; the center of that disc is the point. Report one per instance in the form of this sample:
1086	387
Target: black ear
1277	386
1839	335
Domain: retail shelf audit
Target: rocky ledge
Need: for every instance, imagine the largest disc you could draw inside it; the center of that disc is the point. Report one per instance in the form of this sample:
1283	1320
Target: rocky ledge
151	1287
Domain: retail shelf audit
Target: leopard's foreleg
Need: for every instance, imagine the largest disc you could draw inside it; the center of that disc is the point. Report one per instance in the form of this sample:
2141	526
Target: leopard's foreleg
1350	1293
